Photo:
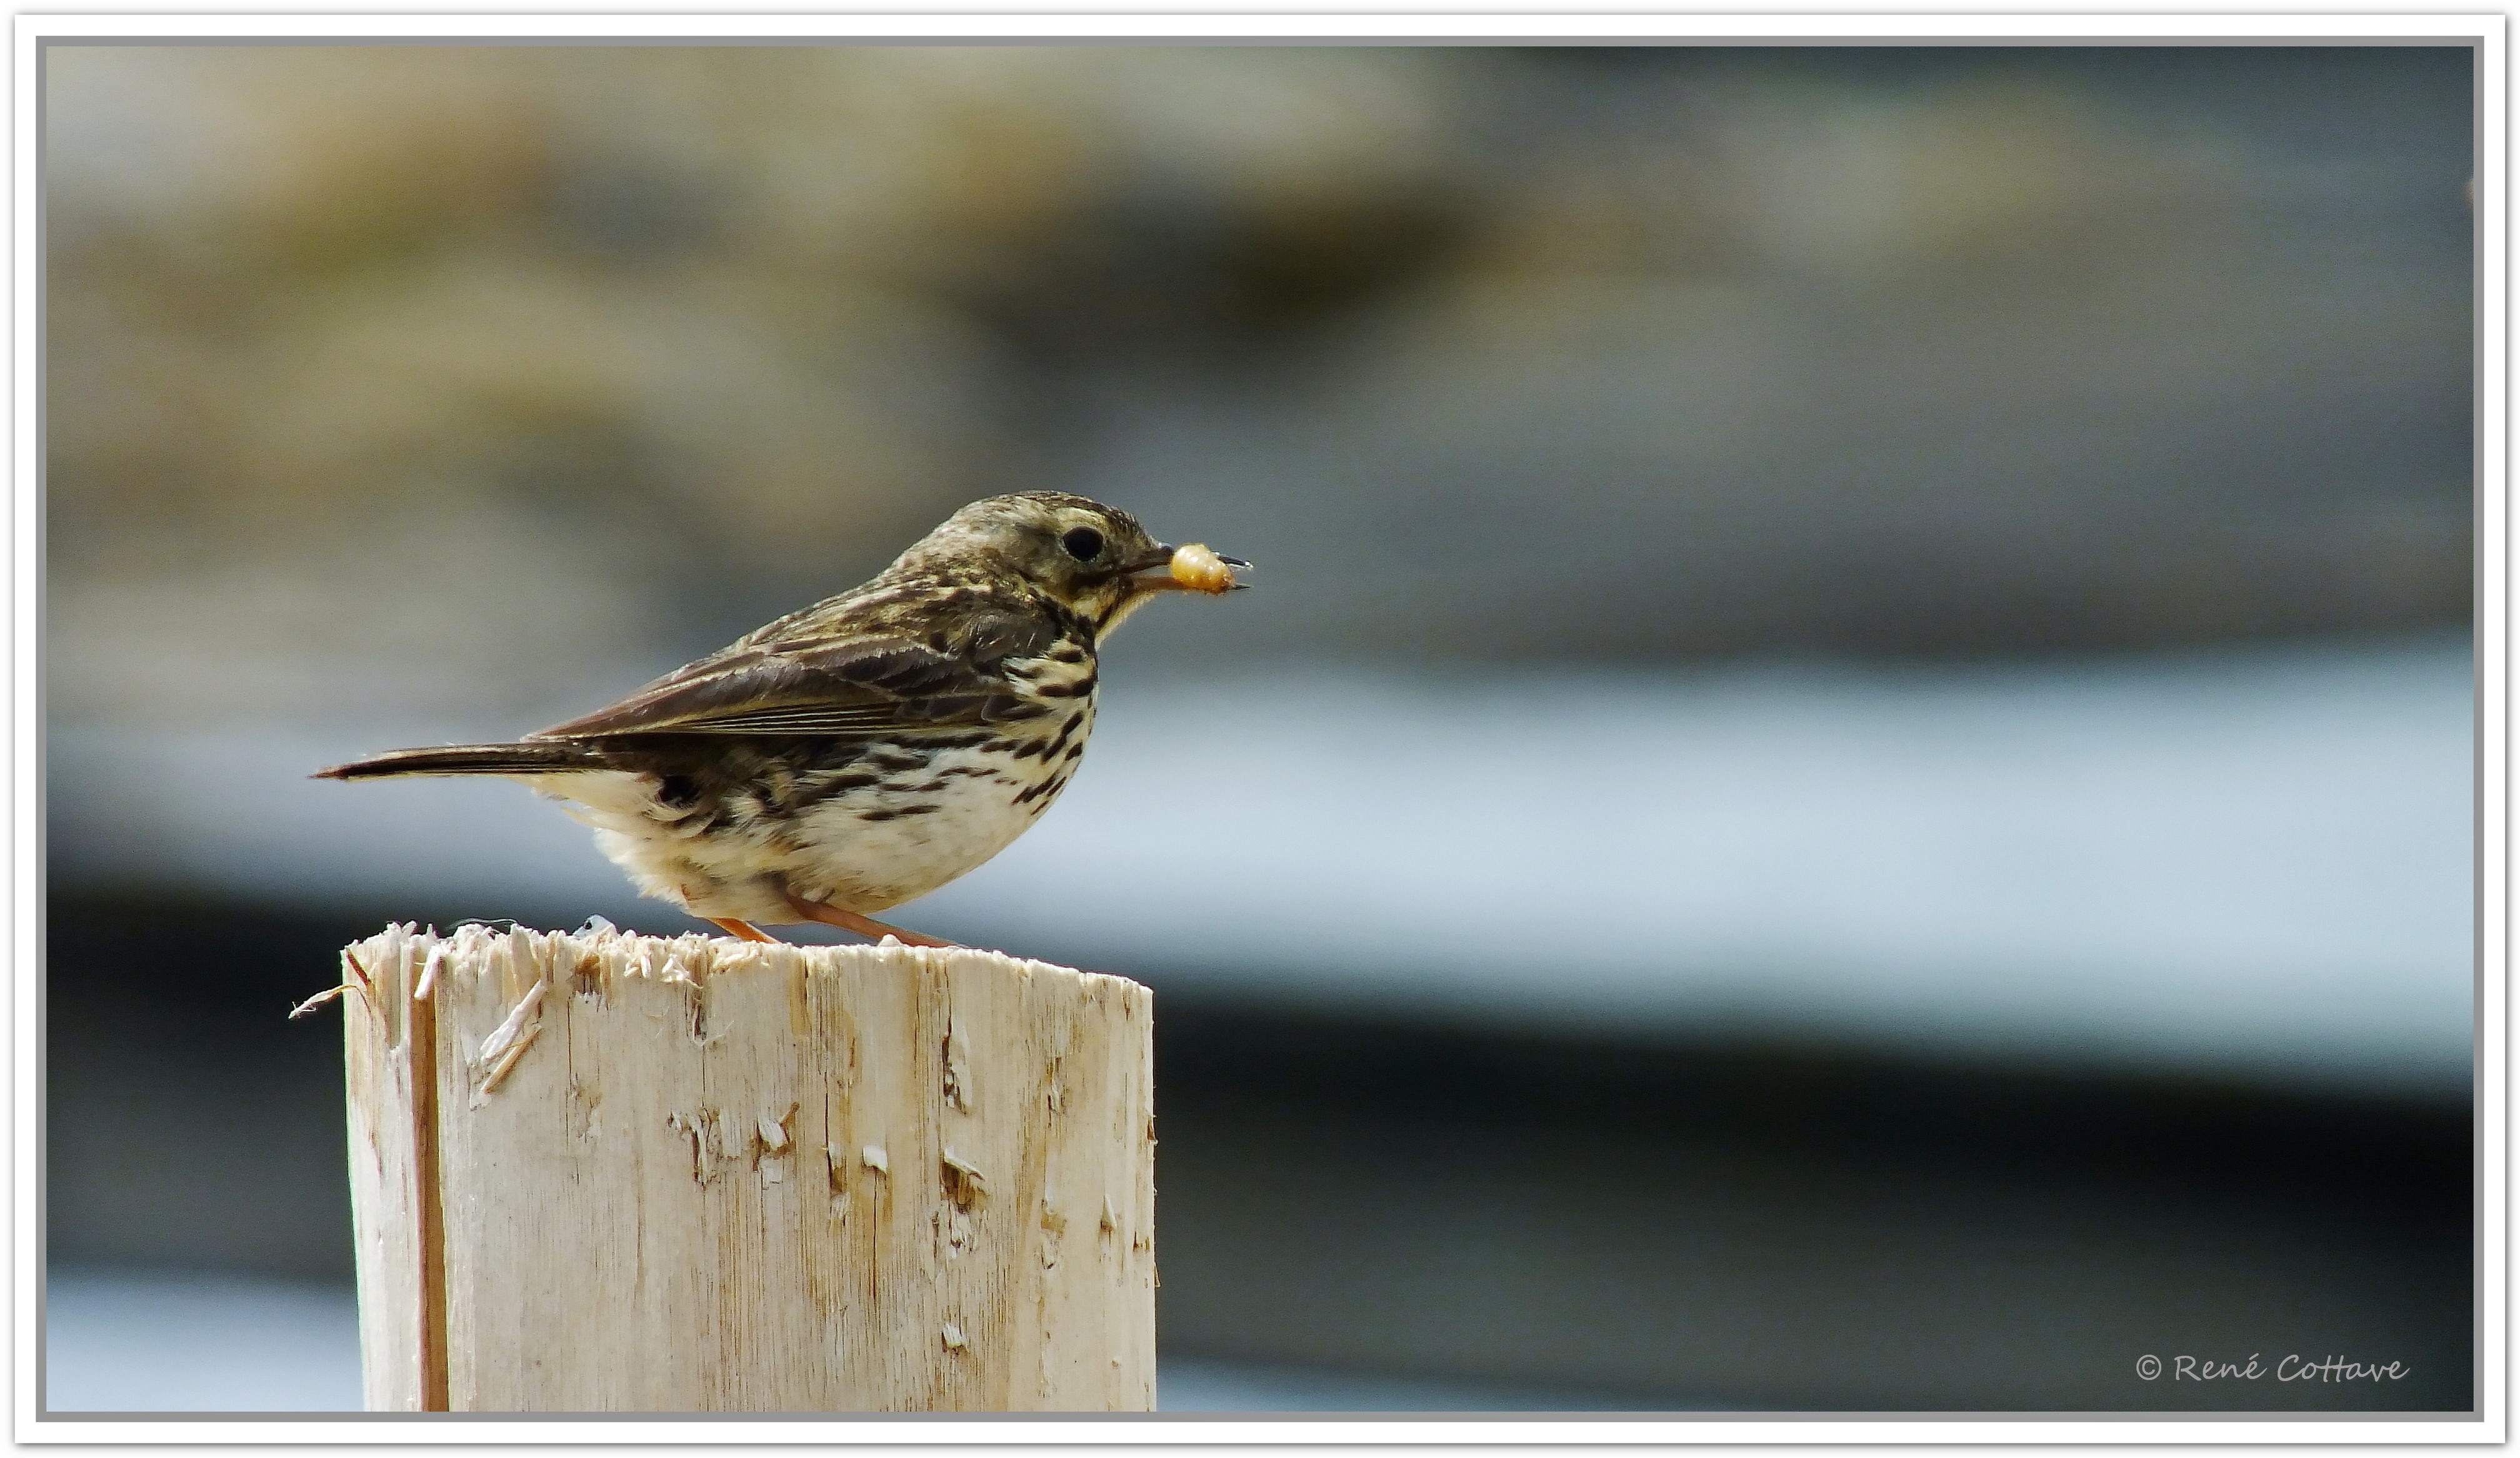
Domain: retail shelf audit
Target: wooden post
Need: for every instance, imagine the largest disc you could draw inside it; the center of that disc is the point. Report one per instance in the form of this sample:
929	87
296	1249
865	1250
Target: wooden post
606	1172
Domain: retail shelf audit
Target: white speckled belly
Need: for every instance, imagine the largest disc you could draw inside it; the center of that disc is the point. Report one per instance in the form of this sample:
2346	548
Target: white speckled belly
865	850
930	816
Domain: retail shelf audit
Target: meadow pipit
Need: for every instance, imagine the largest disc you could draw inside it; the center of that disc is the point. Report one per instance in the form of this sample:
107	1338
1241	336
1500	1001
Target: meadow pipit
869	748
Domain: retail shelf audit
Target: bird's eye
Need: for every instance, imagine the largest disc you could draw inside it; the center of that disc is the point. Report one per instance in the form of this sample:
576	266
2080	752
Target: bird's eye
1084	543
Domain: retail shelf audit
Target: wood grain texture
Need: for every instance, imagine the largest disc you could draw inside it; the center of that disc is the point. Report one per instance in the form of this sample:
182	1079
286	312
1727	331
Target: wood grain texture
696	1174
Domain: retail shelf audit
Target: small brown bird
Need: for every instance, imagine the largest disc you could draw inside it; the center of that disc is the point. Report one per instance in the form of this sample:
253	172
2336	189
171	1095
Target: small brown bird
870	748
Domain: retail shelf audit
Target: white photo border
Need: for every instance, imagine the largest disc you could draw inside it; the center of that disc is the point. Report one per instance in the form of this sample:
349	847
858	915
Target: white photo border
1043	23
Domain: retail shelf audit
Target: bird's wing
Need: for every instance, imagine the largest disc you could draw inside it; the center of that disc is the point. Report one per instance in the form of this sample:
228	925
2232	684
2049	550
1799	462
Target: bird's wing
835	684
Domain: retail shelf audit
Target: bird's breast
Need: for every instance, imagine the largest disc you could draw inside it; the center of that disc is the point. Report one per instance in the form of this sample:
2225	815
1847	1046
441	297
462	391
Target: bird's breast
910	817
1064	676
863	823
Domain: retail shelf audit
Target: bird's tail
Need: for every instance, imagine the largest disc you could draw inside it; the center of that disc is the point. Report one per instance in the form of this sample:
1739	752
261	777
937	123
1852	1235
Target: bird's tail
557	757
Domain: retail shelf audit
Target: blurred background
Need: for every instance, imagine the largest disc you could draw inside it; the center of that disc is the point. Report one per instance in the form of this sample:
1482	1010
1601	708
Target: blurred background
1849	786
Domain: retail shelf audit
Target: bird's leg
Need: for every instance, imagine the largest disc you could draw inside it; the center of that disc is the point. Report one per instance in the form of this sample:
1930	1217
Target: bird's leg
864	926
743	929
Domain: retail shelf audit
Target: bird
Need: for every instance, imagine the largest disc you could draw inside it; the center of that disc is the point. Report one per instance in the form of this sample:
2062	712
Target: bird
864	751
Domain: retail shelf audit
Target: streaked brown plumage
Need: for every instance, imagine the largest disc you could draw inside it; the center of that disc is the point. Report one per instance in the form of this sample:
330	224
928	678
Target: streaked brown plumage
865	750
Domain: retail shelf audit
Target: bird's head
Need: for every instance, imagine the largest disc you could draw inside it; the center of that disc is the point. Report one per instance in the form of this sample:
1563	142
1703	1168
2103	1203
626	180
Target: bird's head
1093	560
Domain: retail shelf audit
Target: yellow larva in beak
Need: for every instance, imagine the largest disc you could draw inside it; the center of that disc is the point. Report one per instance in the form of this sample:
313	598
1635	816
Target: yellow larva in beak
1201	570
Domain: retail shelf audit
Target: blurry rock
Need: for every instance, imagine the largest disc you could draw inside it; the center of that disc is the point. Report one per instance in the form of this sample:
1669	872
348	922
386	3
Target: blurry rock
721	327
1982	365
1984	179
241	169
1479	352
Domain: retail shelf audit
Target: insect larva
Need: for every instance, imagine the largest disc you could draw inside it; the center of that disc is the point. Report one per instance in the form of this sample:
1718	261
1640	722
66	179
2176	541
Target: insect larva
1201	570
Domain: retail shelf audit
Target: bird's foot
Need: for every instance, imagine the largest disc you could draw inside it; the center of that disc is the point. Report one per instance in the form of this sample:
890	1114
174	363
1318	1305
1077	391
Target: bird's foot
864	926
742	929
